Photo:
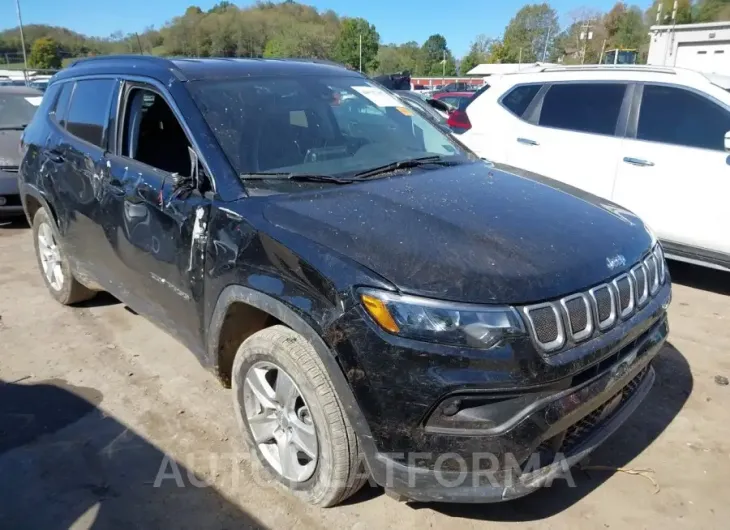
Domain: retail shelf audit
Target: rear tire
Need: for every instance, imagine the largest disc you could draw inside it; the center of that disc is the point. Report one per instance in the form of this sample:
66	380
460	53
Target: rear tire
338	472
53	262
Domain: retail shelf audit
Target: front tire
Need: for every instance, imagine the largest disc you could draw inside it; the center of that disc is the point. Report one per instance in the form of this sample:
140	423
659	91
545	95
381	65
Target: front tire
291	419
53	262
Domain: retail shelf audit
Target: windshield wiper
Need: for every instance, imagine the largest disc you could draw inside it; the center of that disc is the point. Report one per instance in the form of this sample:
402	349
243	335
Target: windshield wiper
404	164
20	127
302	177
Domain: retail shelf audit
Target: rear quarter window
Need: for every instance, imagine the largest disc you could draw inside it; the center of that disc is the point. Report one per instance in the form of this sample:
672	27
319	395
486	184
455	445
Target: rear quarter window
519	98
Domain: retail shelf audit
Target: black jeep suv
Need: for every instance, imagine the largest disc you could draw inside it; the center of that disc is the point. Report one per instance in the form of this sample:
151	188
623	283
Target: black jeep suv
383	303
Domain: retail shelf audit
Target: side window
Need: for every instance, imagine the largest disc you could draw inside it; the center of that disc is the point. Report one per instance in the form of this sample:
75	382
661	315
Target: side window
583	107
153	135
60	111
88	114
519	98
676	116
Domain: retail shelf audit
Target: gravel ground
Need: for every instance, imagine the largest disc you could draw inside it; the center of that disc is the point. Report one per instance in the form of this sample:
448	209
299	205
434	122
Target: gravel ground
109	423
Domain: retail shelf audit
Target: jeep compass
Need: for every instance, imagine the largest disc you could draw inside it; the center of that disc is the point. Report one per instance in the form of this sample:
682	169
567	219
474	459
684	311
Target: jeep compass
383	303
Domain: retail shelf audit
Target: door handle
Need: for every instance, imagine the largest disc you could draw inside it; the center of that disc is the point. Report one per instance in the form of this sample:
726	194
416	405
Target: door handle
527	141
637	162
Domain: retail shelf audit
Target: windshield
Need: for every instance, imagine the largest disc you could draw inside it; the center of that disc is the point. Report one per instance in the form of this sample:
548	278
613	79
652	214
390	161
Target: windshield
334	126
16	110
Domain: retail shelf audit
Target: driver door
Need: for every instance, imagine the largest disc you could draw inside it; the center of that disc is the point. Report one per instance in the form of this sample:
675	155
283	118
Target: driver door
157	212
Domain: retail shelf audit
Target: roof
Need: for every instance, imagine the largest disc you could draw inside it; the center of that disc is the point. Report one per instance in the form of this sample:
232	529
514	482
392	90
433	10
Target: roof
188	69
599	72
20	90
497	69
689	27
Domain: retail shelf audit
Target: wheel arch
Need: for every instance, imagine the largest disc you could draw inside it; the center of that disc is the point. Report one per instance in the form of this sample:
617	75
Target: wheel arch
279	312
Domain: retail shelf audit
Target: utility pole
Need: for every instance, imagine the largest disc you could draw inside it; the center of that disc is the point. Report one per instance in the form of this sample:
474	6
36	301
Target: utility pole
443	72
603	50
360	52
22	41
585	35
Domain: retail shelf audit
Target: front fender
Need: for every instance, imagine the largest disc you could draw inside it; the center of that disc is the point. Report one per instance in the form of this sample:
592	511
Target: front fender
286	315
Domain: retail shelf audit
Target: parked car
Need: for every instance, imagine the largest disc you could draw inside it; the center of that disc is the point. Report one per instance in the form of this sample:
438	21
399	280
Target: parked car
453	99
623	133
372	292
39	84
458	86
17	106
433	109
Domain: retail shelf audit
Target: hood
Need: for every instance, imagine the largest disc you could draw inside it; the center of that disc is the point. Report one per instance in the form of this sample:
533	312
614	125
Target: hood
9	154
470	233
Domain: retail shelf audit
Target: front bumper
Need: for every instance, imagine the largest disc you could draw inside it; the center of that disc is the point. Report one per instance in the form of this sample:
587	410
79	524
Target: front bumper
9	195
566	406
602	409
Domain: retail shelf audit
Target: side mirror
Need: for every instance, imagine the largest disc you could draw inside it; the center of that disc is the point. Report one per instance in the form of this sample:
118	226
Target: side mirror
727	141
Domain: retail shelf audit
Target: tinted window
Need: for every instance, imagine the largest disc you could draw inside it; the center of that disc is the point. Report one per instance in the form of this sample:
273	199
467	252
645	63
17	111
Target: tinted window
89	110
591	107
61	109
519	98
676	116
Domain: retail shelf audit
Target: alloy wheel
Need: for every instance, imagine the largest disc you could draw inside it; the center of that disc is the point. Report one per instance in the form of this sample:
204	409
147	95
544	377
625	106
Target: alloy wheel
50	254
280	421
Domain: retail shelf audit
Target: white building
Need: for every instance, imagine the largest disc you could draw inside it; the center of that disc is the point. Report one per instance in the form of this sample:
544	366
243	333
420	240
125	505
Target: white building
702	47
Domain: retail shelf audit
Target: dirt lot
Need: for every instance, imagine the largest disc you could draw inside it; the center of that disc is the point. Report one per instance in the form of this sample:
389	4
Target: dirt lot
101	401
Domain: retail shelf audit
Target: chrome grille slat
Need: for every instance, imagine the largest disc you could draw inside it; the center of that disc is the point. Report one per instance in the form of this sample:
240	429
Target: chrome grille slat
577	312
604	306
538	330
579	316
624	287
638	273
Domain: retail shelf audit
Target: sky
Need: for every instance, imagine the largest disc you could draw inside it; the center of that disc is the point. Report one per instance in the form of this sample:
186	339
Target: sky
397	21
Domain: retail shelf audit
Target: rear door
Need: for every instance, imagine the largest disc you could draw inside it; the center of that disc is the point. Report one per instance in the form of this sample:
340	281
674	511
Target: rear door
77	157
572	133
674	170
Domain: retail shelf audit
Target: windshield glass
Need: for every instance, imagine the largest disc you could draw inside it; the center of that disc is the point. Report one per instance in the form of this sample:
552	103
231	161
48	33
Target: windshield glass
17	110
335	126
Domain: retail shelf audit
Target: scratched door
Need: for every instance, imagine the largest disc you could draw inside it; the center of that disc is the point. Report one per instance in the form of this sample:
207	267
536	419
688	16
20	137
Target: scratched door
159	240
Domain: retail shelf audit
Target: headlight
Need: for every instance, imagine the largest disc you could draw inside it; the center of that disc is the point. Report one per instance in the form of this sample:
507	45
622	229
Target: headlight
470	325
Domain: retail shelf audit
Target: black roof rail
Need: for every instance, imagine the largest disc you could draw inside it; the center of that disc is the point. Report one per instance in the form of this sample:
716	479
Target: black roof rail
152	59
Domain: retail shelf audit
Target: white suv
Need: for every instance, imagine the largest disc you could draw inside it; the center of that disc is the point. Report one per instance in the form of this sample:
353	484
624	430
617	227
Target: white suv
651	139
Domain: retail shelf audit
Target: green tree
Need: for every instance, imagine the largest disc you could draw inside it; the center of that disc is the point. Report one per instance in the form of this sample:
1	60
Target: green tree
530	33
684	12
347	45
434	52
45	53
712	11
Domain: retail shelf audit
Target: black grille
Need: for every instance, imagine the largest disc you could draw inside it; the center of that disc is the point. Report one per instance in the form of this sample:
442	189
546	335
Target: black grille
9	169
577	314
624	293
604	306
545	324
640	277
578	432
